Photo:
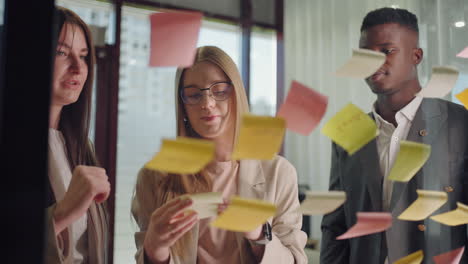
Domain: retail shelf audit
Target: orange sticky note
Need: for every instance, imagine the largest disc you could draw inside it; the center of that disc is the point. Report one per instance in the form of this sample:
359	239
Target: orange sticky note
463	53
303	108
451	257
368	223
174	37
463	97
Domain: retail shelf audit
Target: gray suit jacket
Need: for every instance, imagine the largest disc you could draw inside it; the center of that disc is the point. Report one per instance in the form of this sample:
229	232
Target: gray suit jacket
360	177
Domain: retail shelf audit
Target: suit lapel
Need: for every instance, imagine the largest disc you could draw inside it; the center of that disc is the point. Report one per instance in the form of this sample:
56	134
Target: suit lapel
372	174
251	181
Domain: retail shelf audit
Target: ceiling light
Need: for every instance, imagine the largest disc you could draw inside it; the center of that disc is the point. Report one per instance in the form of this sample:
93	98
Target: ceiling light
460	24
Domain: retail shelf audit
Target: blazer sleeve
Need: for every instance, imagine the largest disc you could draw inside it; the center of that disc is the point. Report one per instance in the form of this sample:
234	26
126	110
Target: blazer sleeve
288	243
58	248
144	202
334	251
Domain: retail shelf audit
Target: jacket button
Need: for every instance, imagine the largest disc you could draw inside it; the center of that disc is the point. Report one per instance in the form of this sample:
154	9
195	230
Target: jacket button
448	189
423	132
422	227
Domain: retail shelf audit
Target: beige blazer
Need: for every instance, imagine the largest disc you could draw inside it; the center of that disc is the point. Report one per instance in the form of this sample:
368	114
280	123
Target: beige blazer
274	181
58	248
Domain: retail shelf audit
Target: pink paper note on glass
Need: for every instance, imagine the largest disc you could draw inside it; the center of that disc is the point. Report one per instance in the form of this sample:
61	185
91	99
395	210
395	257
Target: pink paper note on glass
463	53
303	108
451	257
368	223
174	37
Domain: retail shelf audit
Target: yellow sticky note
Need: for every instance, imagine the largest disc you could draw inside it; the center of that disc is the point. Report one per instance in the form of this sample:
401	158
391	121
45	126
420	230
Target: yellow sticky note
350	128
243	215
317	202
456	217
183	155
410	159
205	204
463	97
260	137
427	203
414	258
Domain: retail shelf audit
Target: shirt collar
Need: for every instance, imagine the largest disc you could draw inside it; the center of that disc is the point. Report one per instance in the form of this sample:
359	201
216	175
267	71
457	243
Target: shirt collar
409	111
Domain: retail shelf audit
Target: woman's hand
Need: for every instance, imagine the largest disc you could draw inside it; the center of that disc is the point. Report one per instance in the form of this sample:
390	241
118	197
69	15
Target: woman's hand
88	183
168	223
255	234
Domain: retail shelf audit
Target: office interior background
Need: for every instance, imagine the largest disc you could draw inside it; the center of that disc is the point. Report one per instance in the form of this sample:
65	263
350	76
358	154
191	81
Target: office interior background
272	42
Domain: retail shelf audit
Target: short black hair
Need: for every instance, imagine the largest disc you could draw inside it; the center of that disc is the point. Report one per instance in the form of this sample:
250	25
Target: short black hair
388	15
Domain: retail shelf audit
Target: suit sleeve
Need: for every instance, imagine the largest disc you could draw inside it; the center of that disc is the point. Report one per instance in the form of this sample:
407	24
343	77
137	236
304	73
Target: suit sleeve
288	240
58	248
334	251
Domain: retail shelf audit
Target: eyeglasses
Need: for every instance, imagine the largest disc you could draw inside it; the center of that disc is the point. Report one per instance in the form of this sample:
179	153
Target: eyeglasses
219	91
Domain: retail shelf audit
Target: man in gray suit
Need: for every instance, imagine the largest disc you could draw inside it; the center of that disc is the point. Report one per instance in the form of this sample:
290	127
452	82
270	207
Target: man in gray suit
399	115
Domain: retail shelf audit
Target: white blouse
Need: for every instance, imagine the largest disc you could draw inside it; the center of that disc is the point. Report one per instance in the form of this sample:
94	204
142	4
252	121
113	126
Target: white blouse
60	176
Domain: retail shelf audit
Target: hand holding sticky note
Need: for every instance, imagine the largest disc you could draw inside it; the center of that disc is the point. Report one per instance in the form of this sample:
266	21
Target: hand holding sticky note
260	137
303	108
244	215
205	204
427	203
442	81
183	155
174	49
350	128
317	203
410	159
368	223
456	217
362	64
414	258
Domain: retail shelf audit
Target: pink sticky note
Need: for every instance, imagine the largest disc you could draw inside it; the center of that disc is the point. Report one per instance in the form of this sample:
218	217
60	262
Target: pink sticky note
451	257
303	108
463	53
174	37
368	223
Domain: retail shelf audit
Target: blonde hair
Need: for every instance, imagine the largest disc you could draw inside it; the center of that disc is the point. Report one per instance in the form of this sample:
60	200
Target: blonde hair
174	185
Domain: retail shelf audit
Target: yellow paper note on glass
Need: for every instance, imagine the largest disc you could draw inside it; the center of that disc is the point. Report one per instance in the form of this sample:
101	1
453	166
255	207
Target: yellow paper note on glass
456	217
205	204
318	203
243	215
427	203
260	137
410	159
362	64
350	128
463	97
183	155
414	258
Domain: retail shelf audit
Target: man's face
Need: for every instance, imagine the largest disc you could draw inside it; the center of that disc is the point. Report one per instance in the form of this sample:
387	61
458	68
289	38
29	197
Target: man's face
400	45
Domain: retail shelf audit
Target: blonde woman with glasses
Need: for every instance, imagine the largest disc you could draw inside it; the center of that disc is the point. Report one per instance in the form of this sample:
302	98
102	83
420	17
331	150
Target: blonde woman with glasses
210	100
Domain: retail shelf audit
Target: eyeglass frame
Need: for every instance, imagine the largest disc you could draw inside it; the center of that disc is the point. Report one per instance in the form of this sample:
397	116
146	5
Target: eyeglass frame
184	100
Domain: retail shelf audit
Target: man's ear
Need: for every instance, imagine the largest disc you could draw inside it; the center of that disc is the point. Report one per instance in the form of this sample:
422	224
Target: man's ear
417	55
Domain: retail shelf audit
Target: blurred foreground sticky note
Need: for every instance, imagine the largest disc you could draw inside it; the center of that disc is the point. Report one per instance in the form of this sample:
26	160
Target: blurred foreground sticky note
456	217
463	97
317	203
350	128
368	223
451	257
183	155
260	137
303	108
442	81
427	203
362	64
174	37
414	258
243	215
410	159
205	204
463	53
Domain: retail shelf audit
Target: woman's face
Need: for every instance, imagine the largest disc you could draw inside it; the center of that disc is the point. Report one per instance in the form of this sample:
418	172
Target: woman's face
70	68
209	118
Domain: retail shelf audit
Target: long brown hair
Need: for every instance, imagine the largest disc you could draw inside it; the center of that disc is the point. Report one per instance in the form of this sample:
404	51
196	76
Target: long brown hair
175	184
75	118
